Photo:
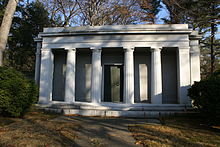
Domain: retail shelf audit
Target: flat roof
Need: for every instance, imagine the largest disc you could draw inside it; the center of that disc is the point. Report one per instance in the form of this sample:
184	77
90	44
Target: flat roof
116	29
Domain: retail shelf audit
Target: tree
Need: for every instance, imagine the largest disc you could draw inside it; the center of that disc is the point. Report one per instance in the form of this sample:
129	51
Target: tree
6	25
205	56
201	15
61	12
93	12
209	19
178	10
26	26
104	12
205	16
3	5
149	9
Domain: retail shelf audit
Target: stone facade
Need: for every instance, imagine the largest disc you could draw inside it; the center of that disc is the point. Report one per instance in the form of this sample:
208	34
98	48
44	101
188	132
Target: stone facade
152	65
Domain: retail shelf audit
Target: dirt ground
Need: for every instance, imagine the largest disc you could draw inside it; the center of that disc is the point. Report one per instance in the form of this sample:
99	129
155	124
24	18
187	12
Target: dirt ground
50	130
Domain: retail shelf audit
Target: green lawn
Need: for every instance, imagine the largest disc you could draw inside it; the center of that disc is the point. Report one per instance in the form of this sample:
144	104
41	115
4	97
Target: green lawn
177	132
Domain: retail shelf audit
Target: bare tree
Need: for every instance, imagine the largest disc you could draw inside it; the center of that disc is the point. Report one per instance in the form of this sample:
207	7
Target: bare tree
61	12
94	12
149	10
6	25
125	12
104	12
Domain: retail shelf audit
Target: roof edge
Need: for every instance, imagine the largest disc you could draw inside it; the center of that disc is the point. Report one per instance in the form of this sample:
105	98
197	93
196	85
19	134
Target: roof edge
118	28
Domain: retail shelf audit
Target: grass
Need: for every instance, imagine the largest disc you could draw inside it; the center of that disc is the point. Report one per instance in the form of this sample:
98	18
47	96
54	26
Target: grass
36	129
177	132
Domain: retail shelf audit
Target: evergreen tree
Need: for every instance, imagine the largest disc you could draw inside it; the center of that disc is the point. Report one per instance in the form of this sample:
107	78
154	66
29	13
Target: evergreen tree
205	16
6	25
201	15
3	4
26	26
149	8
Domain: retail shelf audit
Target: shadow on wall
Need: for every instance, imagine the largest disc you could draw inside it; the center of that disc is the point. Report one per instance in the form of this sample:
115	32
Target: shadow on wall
46	86
46	77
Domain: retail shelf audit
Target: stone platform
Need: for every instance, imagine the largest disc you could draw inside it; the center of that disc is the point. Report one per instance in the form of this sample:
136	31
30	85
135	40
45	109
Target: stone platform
117	109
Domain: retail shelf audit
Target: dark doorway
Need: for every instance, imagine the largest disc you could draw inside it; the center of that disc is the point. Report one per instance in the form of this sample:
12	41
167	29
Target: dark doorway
169	75
59	75
113	83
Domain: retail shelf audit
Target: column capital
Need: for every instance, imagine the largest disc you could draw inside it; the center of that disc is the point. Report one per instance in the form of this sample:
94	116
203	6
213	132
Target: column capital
155	49
46	50
129	49
94	49
183	47
70	49
194	53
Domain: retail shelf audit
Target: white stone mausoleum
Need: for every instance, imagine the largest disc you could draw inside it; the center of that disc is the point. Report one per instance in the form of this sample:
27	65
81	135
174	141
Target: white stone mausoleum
129	70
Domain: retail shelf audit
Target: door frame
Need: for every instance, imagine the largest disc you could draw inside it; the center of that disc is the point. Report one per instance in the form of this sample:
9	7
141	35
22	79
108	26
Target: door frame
103	80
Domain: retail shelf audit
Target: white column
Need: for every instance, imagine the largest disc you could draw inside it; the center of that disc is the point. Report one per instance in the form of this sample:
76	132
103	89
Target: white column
129	75
156	76
70	76
194	61
37	63
46	76
96	76
183	74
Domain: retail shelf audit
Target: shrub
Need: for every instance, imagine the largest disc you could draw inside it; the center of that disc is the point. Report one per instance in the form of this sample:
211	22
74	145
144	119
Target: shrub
206	96
17	93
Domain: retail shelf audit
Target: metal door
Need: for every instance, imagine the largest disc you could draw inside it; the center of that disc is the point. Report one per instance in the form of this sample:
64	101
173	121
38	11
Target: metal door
113	86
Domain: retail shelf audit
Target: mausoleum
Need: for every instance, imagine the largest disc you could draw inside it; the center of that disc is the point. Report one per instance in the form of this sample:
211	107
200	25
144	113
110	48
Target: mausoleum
124	70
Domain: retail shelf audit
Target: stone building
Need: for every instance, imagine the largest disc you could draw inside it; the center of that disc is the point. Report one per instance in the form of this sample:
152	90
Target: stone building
130	70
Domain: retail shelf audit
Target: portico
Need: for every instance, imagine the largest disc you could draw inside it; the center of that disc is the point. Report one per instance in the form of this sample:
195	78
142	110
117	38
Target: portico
112	67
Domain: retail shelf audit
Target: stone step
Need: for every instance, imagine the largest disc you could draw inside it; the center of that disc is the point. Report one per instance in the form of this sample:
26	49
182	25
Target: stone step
116	113
118	110
122	107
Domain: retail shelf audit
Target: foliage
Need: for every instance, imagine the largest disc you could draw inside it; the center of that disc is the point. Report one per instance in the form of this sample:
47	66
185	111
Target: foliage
206	96
198	13
26	26
61	12
178	10
17	93
101	12
2	6
150	9
201	15
6	23
32	16
205	56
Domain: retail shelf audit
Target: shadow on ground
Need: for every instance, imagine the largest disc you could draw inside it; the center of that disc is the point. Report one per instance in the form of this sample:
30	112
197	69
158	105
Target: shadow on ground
41	129
98	131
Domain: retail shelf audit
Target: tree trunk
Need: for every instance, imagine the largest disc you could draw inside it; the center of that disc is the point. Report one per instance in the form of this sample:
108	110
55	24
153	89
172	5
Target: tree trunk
212	48
212	40
6	25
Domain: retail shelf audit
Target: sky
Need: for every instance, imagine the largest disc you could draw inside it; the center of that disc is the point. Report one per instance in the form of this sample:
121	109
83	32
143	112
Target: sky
164	14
